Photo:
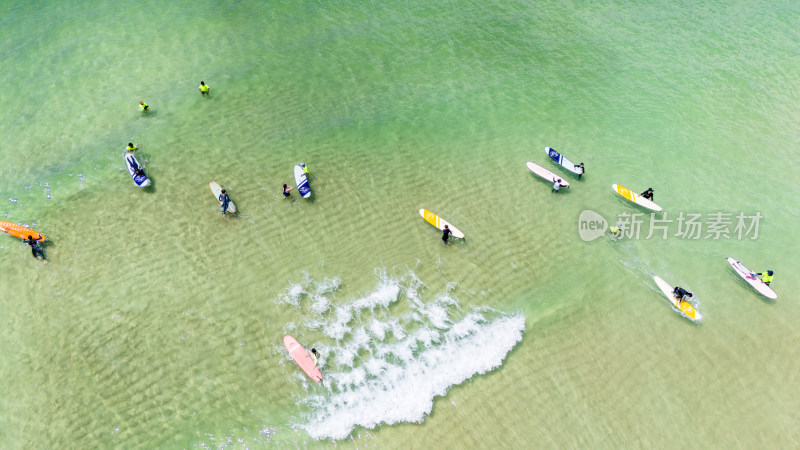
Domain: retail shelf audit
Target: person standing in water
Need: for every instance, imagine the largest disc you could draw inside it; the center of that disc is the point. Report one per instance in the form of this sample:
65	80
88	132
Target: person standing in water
131	147
223	198
681	293
314	355
286	190
767	278
36	250
556	184
583	170
446	234
143	106
204	89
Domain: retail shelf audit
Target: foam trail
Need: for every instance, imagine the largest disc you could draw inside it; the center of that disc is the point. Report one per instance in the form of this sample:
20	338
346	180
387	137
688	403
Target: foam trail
380	392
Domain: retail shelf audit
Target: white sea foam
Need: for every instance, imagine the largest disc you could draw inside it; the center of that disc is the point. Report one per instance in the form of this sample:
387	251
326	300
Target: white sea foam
383	369
391	393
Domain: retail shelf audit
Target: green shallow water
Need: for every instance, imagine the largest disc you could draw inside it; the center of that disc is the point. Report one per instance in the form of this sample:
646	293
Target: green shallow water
157	323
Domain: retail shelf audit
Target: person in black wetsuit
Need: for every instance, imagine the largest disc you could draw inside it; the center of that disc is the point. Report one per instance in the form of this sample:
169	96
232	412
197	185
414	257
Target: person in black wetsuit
36	250
681	293
223	198
446	234
648	194
583	169
286	190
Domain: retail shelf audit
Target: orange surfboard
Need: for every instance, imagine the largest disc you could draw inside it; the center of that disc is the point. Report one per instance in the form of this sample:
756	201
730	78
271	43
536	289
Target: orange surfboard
302	358
19	231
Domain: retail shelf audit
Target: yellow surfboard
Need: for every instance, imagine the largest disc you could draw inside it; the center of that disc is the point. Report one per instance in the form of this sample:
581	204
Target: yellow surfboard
629	195
439	223
683	306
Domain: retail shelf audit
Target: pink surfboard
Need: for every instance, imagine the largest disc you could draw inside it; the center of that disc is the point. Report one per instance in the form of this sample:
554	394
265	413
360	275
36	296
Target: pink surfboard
302	358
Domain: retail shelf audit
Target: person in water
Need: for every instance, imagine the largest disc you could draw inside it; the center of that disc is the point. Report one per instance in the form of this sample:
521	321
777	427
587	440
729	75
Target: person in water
143	106
615	231
446	234
314	355
556	184
767	278
583	170
36	250
305	169
223	198
648	194
204	89
286	189
131	147
681	293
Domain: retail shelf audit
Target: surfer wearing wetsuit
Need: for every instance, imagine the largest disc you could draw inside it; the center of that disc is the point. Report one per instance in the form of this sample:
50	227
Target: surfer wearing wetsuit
446	234
766	278
648	194
36	250
583	170
680	293
223	197
286	190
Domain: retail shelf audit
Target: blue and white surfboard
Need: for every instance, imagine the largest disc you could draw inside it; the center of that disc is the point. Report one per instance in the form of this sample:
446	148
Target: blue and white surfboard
560	159
141	179
302	181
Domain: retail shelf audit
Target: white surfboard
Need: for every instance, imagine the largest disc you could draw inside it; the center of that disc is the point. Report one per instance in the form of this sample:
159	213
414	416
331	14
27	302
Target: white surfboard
635	198
217	190
560	159
752	279
682	306
301	179
439	223
546	174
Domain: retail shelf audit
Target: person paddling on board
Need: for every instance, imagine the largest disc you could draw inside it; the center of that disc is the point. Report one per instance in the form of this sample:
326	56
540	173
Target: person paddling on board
582	169
446	233
681	293
131	147
615	231
286	190
314	355
204	89
767	278
648	194
143	106
36	250
223	198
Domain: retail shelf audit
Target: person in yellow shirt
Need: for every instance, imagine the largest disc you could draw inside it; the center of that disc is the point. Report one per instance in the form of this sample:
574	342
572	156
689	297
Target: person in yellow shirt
204	89
767	277
143	106
131	147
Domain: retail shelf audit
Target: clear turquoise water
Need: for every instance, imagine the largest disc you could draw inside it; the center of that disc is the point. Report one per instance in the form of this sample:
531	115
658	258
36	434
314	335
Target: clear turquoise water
157	323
